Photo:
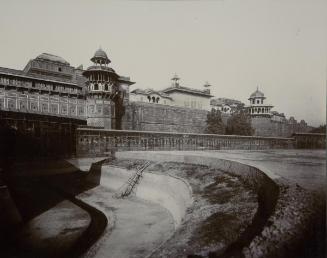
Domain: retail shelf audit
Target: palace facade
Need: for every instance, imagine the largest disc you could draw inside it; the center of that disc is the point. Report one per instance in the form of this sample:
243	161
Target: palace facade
49	85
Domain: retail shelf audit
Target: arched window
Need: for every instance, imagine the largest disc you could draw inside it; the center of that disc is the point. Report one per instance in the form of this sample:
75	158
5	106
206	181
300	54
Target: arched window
106	87
149	98
157	99
96	86
153	99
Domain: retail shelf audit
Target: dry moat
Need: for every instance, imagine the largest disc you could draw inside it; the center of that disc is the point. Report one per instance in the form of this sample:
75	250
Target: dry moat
185	204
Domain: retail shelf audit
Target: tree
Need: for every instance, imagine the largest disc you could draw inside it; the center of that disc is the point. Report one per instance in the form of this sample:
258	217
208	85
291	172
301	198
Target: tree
239	123
215	123
320	129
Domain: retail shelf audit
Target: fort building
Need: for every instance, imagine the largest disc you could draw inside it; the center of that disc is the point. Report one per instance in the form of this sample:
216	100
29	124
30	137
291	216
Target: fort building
257	106
98	95
47	85
106	94
267	122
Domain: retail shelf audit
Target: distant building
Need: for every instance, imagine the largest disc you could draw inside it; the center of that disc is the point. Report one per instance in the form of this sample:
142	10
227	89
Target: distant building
150	96
225	105
266	122
176	95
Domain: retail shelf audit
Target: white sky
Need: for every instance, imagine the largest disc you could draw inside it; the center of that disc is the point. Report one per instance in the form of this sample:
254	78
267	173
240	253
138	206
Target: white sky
280	45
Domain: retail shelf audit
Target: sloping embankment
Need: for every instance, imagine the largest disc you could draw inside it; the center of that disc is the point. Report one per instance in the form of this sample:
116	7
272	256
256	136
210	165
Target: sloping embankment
172	193
286	215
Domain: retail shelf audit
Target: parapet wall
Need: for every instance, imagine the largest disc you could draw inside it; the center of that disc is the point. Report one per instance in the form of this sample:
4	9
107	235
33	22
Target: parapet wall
96	142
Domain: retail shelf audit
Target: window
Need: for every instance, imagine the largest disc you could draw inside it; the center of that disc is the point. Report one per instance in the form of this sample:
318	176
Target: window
262	101
157	99
106	87
149	98
258	101
59	69
96	86
153	99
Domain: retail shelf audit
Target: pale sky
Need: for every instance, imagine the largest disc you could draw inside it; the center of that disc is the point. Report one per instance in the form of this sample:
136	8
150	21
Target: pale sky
235	45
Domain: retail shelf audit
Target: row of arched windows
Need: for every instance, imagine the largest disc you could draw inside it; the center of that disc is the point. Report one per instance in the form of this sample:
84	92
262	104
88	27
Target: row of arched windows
257	101
96	87
259	110
153	99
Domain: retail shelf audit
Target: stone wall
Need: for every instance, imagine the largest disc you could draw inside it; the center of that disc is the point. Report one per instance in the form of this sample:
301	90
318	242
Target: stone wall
99	113
156	117
26	136
264	126
97	142
143	116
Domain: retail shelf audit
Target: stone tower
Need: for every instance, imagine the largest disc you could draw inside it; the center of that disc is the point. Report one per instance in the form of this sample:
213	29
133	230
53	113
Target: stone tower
107	93
257	106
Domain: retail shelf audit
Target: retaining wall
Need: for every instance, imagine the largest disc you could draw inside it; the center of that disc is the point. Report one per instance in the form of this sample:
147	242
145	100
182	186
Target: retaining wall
170	192
10	217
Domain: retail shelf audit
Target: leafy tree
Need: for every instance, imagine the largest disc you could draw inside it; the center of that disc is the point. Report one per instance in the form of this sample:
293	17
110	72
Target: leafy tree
215	123
239	123
320	129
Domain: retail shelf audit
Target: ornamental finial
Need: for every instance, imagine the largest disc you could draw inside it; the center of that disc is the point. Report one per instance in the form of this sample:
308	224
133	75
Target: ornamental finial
175	80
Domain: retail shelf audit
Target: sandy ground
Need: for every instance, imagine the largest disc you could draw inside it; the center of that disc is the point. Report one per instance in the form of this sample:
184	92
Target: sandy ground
223	207
55	230
139	226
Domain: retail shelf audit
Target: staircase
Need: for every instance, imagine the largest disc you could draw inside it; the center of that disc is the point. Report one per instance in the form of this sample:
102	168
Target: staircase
127	188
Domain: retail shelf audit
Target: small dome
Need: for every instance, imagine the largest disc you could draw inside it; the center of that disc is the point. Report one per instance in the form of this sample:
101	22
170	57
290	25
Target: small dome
101	56
52	58
257	94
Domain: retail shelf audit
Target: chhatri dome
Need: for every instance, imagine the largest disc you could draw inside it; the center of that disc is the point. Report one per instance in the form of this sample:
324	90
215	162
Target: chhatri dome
257	94
100	57
257	107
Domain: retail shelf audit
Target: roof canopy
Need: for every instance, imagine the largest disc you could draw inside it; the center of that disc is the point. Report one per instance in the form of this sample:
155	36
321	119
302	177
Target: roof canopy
257	94
100	57
52	58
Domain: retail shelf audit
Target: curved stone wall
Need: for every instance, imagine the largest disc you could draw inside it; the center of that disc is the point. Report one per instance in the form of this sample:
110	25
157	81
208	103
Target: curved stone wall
170	192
